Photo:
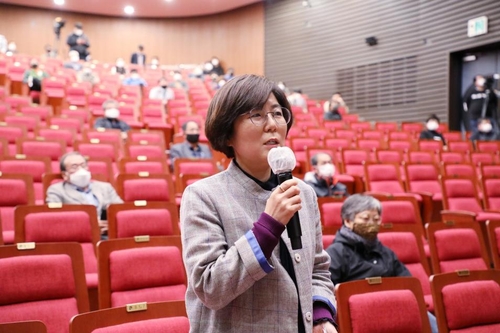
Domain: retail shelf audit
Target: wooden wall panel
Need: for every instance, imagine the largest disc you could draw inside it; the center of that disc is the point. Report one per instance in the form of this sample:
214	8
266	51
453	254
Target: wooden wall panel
310	47
236	37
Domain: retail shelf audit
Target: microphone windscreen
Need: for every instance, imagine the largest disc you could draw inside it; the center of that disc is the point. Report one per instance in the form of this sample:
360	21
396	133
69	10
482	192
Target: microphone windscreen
281	159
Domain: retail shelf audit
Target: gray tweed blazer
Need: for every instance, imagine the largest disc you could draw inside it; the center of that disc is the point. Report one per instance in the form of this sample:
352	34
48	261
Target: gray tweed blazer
231	286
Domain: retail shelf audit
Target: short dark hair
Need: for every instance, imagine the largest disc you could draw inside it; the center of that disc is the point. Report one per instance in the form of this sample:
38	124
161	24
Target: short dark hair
314	159
133	71
62	167
141	47
433	117
238	96
184	126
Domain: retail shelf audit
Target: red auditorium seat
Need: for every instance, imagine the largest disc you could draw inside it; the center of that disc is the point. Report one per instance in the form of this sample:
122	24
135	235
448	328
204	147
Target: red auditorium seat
157	219
424	178
201	167
456	246
467	301
41	147
143	164
15	189
104	135
29	122
144	148
158	273
406	242
145	186
359	305
430	145
94	148
452	137
64	121
150	317
147	136
41	112
453	157
43	282
488	146
16	102
55	223
491	192
54	133
386	127
493	232
14	82
76	95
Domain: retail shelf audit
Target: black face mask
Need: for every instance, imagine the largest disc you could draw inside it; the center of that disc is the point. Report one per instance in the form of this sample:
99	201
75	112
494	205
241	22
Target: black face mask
164	87
192	138
34	66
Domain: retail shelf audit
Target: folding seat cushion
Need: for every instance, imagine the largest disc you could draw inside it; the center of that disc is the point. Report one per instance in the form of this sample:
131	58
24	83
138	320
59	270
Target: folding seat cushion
148	150
458	249
353	161
149	281
155	222
402	302
472	306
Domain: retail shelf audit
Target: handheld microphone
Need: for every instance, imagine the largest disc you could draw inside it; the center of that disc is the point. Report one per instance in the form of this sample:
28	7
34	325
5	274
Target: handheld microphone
282	162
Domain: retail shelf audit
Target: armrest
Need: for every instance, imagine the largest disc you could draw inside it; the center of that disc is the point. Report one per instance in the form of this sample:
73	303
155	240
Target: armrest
457	216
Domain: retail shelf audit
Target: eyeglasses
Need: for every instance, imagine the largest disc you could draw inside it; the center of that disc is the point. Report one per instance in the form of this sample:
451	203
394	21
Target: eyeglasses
75	167
281	116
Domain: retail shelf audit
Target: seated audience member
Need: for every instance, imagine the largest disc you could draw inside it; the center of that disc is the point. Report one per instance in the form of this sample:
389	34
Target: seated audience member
322	179
333	107
190	148
155	63
79	188
217	68
284	88
11	49
33	77
111	118
119	67
356	253
162	91
297	99
134	79
74	61
179	81
229	74
430	132
485	131
87	75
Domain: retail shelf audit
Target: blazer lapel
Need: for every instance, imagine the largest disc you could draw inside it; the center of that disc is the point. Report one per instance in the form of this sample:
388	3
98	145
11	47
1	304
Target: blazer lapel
74	194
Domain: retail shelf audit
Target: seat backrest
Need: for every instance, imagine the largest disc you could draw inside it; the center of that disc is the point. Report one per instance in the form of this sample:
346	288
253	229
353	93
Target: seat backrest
43	282
383	178
422	178
459	170
22	164
359	303
456	246
452	157
467	301
431	145
145	186
103	135
157	219
389	156
143	164
53	148
31	326
421	157
149	317
459	194
96	148
150	280
493	231
484	158
329	209
144	149
405	240
151	136
460	146
491	192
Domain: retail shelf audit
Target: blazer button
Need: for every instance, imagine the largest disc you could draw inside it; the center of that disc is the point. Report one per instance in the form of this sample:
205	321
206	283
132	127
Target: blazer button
309	316
297	257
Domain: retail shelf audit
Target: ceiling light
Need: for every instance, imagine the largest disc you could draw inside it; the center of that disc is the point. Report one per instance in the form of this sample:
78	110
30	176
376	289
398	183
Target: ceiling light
129	10
59	2
169	0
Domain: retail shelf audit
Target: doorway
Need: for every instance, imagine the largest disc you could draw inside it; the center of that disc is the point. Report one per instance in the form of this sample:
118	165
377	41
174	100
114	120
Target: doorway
464	65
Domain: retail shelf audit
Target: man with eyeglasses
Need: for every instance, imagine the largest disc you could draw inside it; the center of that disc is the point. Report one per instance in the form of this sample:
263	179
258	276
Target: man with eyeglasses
78	187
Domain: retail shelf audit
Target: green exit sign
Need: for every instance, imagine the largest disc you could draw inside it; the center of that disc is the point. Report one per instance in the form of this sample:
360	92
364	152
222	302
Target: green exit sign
477	26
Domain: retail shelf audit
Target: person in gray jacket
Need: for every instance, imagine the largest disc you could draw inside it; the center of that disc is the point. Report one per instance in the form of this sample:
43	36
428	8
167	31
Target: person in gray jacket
191	147
243	275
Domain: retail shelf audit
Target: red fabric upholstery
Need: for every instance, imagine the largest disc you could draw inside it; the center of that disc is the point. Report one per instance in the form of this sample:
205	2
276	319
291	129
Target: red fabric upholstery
485	216
472	304
452	157
36	278
458	249
171	325
64	134
189	168
153	222
7	217
367	314
492	189
149	166
150	151
421	157
483	158
465	170
355	156
460	193
331	214
152	138
55	314
146	189
479	329
97	150
491	170
328	240
54	227
11	133
389	156
29	122
34	168
13	192
42	148
149	280
497	237
398	212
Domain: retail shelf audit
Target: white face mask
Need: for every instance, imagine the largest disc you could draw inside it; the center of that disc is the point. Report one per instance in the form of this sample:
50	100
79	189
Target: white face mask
120	63
78	32
154	62
481	82
74	58
208	66
177	77
112	113
432	125
215	62
326	170
81	178
12	47
486	128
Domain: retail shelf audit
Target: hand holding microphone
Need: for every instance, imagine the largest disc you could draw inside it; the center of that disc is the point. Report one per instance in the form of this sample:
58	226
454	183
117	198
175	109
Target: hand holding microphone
282	162
284	201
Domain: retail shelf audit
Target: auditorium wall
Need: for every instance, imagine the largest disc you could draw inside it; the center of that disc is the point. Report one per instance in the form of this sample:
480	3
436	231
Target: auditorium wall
236	37
322	49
